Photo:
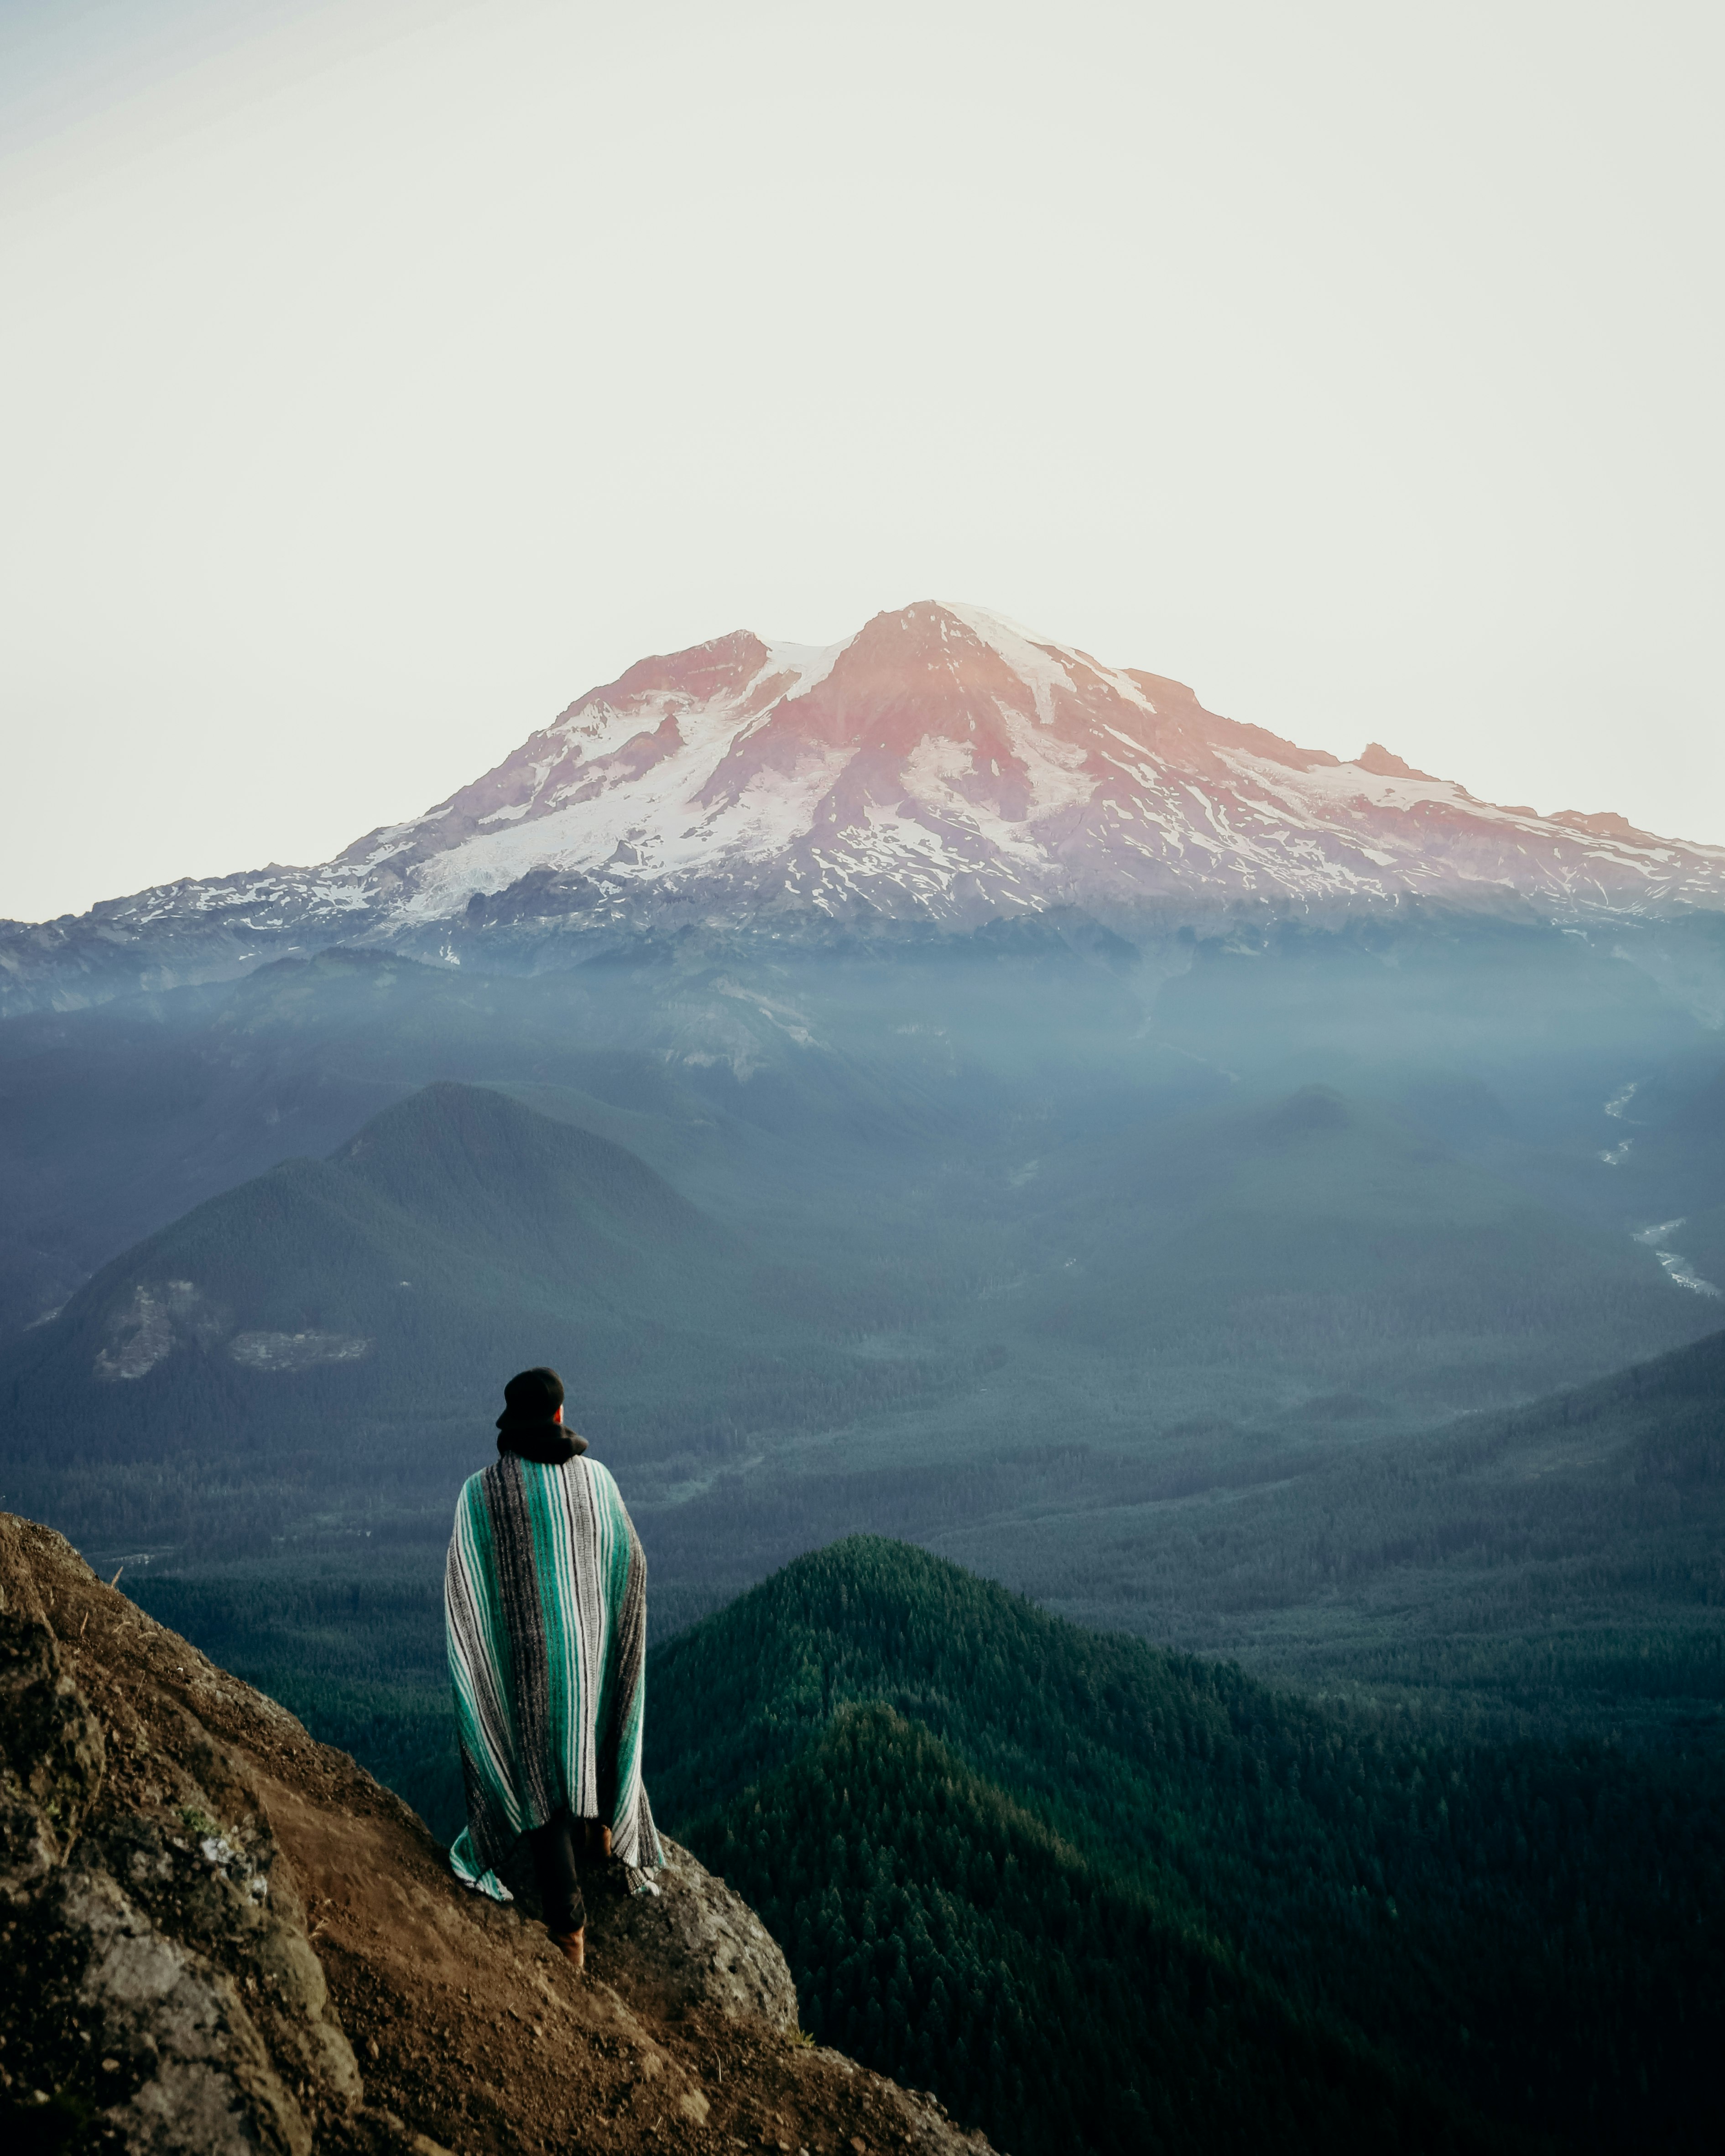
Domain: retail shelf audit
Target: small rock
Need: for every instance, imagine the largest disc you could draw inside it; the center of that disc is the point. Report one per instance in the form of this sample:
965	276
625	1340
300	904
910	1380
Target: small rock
697	1944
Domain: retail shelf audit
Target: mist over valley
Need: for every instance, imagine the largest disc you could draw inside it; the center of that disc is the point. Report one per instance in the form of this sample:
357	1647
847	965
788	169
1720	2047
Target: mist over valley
1269	1212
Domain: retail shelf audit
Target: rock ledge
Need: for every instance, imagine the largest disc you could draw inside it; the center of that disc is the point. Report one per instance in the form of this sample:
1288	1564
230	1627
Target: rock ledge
218	1936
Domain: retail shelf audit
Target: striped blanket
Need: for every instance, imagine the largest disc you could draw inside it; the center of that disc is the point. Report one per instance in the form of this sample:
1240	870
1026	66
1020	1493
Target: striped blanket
545	1599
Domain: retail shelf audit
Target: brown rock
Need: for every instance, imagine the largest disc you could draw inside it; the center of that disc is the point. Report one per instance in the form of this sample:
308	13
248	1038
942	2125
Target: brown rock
200	1907
695	1944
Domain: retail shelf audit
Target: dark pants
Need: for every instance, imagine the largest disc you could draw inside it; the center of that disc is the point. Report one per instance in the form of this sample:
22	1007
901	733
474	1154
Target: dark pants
556	1847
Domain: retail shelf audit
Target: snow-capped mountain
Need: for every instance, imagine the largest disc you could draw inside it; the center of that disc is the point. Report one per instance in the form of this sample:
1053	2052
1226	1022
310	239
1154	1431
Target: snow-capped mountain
942	764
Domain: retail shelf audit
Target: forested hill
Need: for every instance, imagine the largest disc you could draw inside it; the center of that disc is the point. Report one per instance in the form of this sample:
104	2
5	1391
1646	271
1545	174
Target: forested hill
1098	1895
1669	1408
356	1316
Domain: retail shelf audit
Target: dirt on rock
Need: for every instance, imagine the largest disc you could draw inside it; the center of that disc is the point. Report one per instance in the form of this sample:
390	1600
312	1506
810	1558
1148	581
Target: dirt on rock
218	1934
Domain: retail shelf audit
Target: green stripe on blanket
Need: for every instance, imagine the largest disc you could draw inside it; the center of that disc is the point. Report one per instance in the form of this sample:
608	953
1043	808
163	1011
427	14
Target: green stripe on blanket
545	1599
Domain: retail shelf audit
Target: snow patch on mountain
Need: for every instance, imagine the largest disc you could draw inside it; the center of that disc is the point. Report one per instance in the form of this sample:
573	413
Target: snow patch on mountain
943	763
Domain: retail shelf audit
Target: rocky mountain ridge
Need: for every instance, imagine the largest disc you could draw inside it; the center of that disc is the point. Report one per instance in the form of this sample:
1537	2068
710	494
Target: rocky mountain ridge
220	1936
941	766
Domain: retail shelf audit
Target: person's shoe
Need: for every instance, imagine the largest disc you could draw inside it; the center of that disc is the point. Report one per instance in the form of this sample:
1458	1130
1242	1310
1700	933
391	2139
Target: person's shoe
573	1945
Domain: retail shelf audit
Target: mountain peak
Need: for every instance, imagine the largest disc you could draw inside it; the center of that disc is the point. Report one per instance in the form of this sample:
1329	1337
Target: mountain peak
944	764
1378	760
948	762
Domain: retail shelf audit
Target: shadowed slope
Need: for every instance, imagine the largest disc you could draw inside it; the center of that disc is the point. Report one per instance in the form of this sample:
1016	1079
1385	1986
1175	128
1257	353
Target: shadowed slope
221	1935
1428	1902
324	1311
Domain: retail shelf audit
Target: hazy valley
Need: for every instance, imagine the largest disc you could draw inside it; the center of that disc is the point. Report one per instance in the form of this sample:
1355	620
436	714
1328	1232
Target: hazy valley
1317	1271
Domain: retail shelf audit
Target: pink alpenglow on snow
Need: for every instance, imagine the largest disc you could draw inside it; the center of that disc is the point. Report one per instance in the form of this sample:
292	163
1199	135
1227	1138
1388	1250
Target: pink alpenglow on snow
942	765
946	763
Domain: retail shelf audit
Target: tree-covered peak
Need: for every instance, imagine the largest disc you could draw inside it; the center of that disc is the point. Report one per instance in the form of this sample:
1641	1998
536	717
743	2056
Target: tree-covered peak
1222	1877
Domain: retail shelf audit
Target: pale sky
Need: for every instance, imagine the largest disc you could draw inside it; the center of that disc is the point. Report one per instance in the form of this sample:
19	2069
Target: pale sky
379	376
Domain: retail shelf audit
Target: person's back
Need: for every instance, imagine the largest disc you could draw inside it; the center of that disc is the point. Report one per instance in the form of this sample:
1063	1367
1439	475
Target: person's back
545	1599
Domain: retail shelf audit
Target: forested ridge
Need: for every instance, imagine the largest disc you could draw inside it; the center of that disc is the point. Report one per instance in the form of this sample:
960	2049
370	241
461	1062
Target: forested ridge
1238	1329
1079	1885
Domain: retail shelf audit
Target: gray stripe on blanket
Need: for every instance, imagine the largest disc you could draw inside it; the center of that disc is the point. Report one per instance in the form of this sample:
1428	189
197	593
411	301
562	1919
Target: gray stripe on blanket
628	1665
487	1824
639	1836
524	1619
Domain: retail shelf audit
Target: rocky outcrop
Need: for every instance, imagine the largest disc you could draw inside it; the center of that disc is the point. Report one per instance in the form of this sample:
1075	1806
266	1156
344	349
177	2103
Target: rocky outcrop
218	1935
696	1944
158	1980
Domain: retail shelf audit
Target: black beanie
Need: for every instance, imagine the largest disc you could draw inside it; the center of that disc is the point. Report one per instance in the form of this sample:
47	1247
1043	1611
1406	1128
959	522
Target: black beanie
530	1398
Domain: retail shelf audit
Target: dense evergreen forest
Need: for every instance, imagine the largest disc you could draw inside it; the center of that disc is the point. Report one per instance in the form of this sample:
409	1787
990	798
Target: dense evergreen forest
1099	1895
1198	1295
1474	1939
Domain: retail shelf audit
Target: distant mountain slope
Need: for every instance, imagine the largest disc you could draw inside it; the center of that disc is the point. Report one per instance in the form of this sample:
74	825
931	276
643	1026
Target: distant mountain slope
941	764
358	1311
114	1120
454	1200
1551	1569
1095	1838
1664	1419
1343	1238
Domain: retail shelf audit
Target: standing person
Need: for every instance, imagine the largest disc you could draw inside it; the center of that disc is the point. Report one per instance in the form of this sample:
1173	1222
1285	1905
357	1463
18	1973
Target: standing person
545	1600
